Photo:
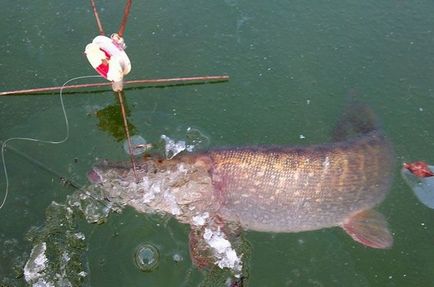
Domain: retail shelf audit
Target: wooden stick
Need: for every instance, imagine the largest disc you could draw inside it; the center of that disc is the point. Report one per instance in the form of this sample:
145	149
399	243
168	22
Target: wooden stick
124	18
185	80
127	133
98	22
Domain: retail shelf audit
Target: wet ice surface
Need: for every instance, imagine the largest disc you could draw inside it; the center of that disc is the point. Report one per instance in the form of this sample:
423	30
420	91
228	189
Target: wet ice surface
423	187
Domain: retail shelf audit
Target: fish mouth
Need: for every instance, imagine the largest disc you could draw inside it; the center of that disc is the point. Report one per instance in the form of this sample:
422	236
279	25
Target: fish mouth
94	176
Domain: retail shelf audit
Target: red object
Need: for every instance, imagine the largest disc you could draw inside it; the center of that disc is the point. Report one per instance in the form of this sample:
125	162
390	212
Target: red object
419	169
103	68
108	58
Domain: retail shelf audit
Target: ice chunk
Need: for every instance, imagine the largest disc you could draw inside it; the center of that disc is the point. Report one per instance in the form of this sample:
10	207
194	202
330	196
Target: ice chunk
36	264
194	139
148	197
92	204
150	188
172	148
57	256
170	200
82	274
42	283
80	236
200	219
223	251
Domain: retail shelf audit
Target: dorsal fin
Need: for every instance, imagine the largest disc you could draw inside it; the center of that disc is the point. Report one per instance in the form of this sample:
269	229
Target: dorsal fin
358	119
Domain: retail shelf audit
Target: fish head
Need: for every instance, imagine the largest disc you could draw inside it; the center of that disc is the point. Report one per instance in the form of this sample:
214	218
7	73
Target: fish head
181	186
121	172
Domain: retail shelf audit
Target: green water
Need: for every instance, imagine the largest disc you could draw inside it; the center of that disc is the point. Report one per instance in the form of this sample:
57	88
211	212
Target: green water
291	64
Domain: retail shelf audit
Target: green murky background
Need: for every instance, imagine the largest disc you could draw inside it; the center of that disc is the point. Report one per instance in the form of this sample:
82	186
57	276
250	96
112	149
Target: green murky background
291	64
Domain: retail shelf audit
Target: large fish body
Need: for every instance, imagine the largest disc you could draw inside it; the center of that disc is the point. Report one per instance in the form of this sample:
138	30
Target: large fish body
270	189
299	189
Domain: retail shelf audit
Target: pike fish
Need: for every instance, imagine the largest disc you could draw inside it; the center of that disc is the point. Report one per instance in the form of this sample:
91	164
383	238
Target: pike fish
268	188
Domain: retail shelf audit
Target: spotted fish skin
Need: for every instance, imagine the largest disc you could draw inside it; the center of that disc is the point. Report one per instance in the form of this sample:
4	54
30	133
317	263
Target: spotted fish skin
286	189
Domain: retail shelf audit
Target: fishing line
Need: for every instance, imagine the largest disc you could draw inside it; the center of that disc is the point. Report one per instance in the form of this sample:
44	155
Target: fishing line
3	146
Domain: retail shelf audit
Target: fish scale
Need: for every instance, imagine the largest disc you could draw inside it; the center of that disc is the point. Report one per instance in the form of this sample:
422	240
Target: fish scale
324	183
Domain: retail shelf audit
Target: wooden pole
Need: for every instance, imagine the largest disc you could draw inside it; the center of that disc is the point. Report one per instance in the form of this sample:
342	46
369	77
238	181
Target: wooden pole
127	132
98	21
168	81
125	18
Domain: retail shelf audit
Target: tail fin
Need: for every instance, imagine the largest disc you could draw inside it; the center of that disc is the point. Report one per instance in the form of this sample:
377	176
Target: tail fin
358	119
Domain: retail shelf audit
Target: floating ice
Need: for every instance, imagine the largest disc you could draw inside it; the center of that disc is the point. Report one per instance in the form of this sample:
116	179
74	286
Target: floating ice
223	251
423	187
82	274
172	148
80	236
57	257
35	266
194	139
92	204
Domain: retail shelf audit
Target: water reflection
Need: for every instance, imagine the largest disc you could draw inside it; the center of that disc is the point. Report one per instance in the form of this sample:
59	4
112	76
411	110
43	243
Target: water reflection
111	121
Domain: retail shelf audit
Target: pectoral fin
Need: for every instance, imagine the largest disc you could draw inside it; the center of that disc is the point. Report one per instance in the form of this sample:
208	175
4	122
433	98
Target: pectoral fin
200	253
369	228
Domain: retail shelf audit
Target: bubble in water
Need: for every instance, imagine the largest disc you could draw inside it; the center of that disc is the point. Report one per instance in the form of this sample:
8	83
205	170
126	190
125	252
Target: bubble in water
138	145
147	257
